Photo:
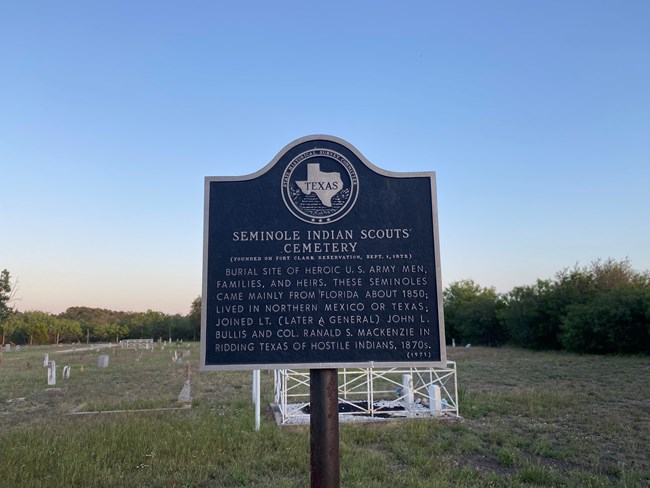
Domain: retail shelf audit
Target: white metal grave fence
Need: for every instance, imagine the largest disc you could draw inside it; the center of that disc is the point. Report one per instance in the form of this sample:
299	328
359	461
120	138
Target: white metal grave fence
372	393
136	343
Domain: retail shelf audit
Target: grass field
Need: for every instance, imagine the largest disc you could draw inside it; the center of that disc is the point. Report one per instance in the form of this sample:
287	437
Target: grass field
530	419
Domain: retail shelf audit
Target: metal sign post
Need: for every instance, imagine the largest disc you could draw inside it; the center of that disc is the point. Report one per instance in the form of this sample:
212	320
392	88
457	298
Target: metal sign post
324	428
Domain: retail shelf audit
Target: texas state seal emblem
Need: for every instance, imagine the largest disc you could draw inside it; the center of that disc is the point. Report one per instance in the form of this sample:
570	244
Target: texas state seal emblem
320	186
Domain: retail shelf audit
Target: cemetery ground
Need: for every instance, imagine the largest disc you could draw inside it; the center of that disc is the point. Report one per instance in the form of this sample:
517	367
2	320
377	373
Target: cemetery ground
529	419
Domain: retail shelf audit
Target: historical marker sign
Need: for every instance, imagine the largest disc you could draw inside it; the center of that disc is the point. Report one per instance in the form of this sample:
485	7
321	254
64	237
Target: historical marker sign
321	260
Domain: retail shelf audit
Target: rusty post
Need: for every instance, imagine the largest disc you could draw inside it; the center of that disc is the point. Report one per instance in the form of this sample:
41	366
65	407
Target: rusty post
324	428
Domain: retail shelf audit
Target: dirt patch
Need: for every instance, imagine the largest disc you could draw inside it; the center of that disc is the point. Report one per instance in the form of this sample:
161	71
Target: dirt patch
483	463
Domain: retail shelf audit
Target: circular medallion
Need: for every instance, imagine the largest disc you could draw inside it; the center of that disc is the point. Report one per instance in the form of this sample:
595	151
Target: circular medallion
320	186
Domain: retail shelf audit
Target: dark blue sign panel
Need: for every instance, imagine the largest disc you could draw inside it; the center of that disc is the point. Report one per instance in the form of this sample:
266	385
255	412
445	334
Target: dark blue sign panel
321	260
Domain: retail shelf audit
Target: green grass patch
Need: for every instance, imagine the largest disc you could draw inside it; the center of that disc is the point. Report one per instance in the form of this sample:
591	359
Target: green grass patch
530	419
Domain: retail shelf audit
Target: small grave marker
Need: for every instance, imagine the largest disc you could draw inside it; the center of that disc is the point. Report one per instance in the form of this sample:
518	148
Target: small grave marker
435	400
66	372
184	396
51	373
407	389
102	362
46	359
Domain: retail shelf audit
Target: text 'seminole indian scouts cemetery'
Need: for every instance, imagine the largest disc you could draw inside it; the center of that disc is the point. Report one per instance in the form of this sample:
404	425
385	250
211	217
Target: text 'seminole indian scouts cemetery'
321	260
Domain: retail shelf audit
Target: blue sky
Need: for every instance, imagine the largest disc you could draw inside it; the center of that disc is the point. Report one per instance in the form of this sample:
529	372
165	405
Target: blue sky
534	114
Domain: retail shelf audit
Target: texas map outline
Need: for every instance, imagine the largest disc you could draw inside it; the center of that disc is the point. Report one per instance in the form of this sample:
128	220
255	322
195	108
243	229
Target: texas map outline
323	184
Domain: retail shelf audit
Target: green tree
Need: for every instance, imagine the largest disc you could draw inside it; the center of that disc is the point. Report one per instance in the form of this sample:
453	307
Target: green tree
563	313
31	327
528	315
108	332
471	313
180	327
195	318
7	293
161	324
610	274
612	315
148	325
91	318
616	321
64	330
533	314
9	328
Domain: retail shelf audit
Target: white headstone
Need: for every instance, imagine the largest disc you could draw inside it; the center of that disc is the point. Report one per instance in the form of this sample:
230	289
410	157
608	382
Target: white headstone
435	400
102	362
407	388
66	372
17	348
7	347
46	359
51	373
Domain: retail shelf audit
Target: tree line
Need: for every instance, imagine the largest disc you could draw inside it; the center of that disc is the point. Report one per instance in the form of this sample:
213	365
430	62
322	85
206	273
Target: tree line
601	308
81	324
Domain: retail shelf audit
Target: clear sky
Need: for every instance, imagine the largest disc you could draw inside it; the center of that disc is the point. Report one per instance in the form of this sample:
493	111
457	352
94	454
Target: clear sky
534	114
